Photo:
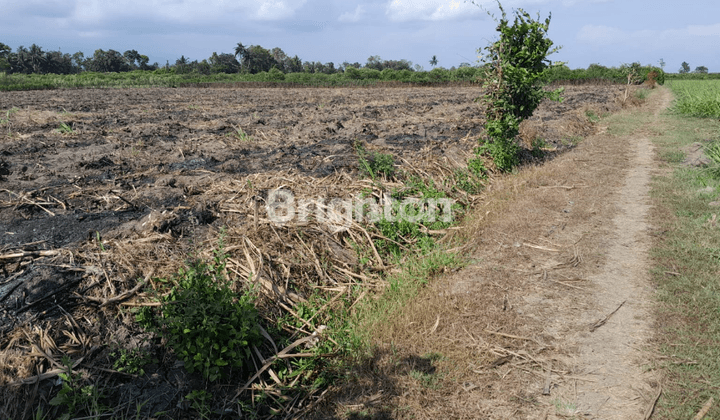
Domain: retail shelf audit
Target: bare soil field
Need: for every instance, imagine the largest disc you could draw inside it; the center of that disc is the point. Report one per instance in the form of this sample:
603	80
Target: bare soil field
100	188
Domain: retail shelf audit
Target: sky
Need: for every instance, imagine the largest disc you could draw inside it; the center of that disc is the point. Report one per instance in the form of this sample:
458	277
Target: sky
606	32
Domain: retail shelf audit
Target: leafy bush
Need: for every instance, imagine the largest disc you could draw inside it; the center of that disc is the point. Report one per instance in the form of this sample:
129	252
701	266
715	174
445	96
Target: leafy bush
518	62
206	324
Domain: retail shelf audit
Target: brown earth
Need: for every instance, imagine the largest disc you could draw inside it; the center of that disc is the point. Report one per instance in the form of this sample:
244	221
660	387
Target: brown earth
551	320
145	177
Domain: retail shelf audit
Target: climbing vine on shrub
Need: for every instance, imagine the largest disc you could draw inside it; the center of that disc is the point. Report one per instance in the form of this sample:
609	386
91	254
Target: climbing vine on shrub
515	65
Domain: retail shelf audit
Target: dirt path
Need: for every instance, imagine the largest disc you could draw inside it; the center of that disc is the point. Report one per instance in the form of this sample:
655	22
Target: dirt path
611	355
559	248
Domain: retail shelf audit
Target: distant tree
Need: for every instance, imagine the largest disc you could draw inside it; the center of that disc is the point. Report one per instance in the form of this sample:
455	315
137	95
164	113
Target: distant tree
37	59
418	67
701	69
463	65
24	61
346	65
131	57
181	65
78	60
397	65
107	61
58	63
685	68
374	62
280	58
293	65
434	61
662	64
254	59
143	63
4	55
223	63
315	67
329	68
202	67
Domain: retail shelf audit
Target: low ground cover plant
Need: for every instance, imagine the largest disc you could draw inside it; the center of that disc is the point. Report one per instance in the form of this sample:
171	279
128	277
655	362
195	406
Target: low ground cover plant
208	326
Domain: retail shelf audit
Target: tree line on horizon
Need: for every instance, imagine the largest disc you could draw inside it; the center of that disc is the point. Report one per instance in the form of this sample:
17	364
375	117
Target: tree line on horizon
255	63
251	59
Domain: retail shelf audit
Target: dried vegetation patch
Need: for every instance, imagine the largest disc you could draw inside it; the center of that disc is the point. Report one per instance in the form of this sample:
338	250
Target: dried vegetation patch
104	194
488	341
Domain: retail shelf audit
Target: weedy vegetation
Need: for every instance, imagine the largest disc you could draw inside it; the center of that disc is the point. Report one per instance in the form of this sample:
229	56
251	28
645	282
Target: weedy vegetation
375	164
65	128
686	253
75	397
207	324
697	98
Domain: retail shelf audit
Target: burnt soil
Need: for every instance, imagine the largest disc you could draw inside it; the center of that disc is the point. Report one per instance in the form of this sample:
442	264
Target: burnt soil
132	157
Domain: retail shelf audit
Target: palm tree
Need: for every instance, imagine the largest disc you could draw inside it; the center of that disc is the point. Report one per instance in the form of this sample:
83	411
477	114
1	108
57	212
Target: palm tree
433	61
37	59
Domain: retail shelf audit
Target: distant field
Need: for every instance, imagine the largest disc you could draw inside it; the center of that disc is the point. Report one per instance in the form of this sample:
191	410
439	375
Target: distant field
697	98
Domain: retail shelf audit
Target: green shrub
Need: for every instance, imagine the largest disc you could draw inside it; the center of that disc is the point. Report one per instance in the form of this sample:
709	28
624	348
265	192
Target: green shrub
439	75
352	73
206	324
518	63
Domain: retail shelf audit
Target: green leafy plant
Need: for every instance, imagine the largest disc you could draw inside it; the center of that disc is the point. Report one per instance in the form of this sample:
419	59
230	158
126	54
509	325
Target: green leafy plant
375	164
516	64
200	402
131	361
466	180
65	128
8	113
75	397
208	326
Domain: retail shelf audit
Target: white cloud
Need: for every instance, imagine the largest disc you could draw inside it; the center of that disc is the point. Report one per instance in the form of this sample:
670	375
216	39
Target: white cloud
353	16
274	10
404	10
183	11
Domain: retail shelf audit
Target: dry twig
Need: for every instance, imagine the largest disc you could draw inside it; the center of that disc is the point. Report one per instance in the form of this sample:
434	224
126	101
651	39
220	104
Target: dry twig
602	322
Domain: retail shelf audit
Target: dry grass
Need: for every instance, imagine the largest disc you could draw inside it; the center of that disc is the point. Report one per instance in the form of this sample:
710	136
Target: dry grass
477	344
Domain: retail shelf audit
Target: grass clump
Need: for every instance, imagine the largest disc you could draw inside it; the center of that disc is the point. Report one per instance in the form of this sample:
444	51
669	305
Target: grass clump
239	134
375	164
208	326
697	98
